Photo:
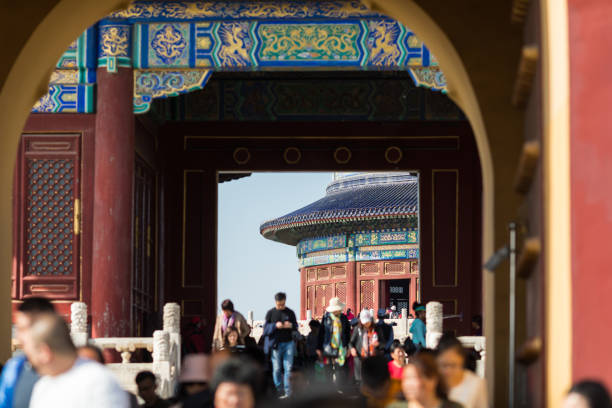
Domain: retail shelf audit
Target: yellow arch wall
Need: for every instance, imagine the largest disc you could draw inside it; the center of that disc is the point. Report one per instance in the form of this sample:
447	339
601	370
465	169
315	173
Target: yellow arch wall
38	33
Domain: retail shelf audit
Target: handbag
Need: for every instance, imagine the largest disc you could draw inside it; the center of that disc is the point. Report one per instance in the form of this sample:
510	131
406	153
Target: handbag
330	352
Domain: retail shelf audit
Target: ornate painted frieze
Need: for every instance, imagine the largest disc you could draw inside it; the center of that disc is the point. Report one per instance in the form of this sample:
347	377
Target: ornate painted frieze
247	35
384	238
323	259
321	244
78	98
216	10
115	46
362	246
387	254
162	84
228	45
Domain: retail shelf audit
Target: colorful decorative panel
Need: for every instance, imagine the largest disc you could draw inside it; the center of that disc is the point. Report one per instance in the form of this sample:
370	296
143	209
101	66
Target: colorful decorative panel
387	254
168	45
49	216
227	10
384	43
320	244
78	98
385	238
162	84
323	259
248	35
115	46
297	44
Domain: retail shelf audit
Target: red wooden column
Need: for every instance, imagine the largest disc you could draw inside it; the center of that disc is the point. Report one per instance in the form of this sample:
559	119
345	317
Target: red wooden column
591	190
351	287
112	222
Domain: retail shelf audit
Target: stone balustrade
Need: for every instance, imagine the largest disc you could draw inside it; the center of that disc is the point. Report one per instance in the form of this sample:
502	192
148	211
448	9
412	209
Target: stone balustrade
165	346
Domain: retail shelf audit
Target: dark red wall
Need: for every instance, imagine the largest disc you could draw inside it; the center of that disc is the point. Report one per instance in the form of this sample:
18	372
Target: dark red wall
444	154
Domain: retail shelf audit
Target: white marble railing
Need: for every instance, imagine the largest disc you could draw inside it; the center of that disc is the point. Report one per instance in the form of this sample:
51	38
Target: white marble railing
165	345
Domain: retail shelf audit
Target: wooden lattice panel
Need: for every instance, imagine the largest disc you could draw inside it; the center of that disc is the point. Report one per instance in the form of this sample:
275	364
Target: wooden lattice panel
323	273
310	298
319	301
338	272
49	216
394	268
341	291
367	294
311	275
368	269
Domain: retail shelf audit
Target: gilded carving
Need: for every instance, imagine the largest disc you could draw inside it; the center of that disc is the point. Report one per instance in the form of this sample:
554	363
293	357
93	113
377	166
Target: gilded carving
114	41
160	84
168	43
235	45
186	10
301	42
383	43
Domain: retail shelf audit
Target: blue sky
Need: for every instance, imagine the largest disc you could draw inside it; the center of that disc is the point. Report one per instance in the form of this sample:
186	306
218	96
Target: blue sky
251	269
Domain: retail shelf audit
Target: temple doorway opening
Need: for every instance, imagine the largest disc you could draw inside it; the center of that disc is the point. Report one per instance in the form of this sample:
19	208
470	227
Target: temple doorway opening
354	236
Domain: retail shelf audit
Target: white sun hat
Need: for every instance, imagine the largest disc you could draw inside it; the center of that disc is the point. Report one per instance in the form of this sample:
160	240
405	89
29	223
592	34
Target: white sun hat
335	305
365	316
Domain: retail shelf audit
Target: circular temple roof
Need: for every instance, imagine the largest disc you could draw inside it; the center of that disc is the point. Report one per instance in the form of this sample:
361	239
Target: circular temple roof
353	202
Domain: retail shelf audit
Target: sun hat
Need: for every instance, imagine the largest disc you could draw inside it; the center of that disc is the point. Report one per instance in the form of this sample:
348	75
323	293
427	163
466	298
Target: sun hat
365	316
335	305
196	369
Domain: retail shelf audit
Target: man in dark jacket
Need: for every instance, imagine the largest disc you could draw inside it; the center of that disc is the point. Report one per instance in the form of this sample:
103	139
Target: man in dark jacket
334	337
279	327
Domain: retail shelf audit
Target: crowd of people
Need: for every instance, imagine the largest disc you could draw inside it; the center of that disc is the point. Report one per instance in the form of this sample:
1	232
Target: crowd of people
345	361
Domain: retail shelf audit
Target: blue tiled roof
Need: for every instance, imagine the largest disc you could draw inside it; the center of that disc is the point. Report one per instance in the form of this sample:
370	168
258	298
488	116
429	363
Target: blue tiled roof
384	202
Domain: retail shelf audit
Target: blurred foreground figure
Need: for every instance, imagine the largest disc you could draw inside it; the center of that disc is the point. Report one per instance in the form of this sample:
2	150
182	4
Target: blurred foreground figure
194	387
587	394
18	376
67	381
422	384
463	385
236	384
147	387
91	352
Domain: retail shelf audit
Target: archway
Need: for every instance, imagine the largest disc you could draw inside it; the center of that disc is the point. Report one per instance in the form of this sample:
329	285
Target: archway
26	77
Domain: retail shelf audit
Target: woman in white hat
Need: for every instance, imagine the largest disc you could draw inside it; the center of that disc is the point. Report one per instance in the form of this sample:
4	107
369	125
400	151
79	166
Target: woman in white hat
334	337
367	340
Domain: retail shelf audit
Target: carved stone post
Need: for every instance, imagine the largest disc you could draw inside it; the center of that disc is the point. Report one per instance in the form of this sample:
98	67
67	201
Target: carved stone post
434	318
308	315
404	322
172	325
161	360
172	318
78	326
